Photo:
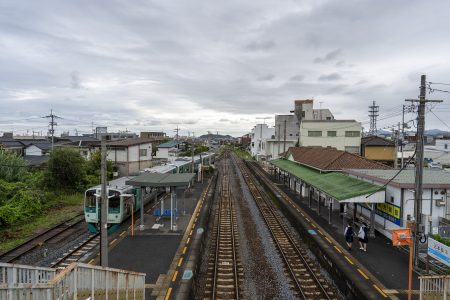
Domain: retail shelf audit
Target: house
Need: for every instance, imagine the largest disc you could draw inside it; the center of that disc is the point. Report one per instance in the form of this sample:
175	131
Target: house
169	150
12	145
37	148
398	207
379	149
343	135
129	155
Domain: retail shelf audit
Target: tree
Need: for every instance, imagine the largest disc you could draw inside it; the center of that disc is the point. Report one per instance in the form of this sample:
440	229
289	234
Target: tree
93	166
65	169
12	167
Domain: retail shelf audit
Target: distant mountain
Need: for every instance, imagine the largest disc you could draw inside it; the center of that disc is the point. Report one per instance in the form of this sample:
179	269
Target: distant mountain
435	132
217	136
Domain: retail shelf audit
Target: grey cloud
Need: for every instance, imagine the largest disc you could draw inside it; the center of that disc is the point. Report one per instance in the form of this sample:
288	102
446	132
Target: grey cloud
263	45
268	77
330	56
75	80
329	77
297	78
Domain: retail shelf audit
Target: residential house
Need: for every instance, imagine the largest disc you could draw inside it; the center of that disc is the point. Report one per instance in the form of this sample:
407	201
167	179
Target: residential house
152	134
130	155
379	149
170	150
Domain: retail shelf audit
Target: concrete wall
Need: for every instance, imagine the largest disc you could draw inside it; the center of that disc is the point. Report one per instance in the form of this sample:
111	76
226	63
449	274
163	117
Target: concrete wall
260	133
162	153
340	141
292	127
273	147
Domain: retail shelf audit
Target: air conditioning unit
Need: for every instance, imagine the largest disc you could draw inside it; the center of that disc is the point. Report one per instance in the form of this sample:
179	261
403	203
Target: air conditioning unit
440	202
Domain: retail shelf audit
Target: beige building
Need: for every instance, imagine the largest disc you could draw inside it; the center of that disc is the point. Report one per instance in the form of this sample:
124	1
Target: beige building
343	135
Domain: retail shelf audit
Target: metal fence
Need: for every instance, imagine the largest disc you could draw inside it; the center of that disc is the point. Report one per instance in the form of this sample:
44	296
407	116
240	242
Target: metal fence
77	281
434	287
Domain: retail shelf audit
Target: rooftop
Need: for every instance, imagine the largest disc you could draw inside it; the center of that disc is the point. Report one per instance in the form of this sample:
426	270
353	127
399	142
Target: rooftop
376	141
129	142
432	178
337	185
330	159
169	144
161	180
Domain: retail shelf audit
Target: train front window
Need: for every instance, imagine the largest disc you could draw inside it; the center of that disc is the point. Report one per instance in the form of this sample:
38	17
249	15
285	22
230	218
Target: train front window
91	199
114	201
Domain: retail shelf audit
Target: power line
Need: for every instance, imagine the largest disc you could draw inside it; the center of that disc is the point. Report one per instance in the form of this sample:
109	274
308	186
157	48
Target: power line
440	119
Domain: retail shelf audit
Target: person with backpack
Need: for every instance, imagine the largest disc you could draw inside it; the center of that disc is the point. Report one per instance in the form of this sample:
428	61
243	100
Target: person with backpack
362	237
348	233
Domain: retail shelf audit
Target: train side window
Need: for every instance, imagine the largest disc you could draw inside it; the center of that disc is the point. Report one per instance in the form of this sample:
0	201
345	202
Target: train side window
114	202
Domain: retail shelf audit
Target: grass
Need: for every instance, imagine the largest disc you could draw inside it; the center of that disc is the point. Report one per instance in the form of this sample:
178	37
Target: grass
63	207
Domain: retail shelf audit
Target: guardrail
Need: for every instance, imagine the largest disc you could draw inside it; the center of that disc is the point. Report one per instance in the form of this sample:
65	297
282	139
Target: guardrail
434	287
23	282
77	281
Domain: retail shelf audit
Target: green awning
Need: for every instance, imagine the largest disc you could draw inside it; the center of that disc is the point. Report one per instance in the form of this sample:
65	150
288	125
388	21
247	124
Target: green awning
161	180
337	185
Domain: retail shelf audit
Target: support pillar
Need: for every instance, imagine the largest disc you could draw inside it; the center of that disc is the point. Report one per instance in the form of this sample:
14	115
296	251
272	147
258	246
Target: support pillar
301	190
142	226
330	207
354	212
171	208
318	204
372	221
310	191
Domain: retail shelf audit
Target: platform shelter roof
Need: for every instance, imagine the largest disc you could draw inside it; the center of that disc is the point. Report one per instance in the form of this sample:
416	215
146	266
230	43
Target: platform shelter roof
161	180
339	186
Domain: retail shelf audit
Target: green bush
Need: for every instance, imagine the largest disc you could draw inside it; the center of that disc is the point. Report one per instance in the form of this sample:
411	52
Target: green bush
443	240
24	204
12	167
65	170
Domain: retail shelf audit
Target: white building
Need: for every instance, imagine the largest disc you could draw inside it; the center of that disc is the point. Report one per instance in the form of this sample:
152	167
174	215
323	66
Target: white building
169	150
259	135
399	203
343	135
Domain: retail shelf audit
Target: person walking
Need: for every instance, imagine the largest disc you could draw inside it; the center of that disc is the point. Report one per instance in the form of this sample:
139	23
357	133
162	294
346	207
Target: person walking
348	233
362	237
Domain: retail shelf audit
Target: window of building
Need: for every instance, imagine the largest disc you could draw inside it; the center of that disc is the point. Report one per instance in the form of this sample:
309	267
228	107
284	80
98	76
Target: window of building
142	152
296	134
314	133
352	134
290	134
446	146
303	114
328	118
352	149
331	133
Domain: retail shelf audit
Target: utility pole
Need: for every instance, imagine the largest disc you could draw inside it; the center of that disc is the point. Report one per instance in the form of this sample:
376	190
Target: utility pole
192	153
176	139
418	230
52	125
104	208
284	141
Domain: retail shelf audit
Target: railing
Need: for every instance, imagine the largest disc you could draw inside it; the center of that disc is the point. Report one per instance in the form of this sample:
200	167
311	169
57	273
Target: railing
434	287
77	281
24	282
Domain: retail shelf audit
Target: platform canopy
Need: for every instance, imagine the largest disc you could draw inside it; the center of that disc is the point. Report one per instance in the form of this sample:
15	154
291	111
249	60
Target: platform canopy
339	186
161	180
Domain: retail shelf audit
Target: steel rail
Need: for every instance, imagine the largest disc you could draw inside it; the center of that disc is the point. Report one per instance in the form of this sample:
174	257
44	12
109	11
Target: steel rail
267	209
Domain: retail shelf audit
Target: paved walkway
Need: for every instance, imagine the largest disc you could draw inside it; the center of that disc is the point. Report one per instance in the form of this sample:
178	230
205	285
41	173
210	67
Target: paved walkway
153	249
383	260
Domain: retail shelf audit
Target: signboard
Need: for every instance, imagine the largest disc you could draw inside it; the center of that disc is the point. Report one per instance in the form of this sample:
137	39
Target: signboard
390	212
439	251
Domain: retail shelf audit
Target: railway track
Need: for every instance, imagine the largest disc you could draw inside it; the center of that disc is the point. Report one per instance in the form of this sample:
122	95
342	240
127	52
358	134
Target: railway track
307	283
51	235
224	268
77	252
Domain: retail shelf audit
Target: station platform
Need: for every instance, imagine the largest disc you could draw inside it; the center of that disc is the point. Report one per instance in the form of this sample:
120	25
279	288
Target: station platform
156	249
387	263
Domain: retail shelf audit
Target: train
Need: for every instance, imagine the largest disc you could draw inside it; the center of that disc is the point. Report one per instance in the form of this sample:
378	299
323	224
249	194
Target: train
121	196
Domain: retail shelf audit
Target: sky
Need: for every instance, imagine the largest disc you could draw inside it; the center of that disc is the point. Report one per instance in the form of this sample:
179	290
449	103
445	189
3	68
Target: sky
219	66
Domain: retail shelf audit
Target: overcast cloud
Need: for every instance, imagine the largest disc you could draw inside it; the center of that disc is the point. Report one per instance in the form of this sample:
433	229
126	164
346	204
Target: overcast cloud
210	65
